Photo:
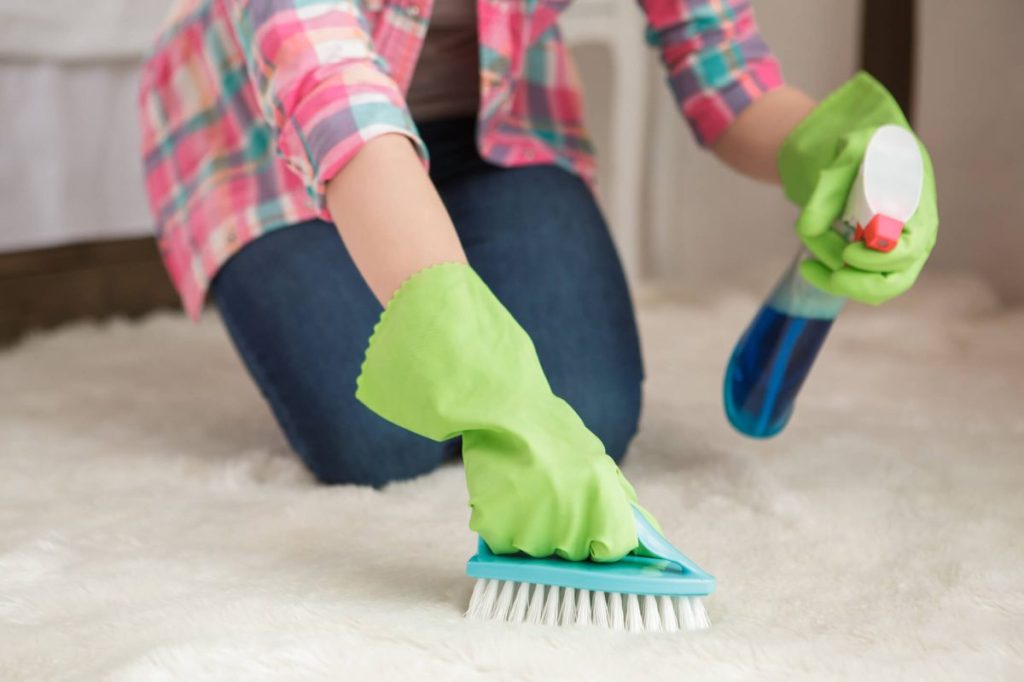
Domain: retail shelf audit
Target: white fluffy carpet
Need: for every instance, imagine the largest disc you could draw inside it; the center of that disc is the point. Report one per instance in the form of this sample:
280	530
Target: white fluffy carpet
154	527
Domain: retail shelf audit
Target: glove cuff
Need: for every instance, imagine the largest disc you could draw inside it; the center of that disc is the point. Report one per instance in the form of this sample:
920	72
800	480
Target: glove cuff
447	356
861	102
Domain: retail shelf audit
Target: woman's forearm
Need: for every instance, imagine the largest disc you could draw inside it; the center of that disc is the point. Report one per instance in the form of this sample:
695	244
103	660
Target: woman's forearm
389	215
751	144
394	224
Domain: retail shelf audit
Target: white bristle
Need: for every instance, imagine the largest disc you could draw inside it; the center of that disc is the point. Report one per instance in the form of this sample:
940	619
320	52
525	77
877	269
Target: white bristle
550	616
687	618
518	612
617	611
474	601
484	606
699	613
504	602
567	616
490	599
533	614
517	602
634	619
599	609
583	607
668	614
652	620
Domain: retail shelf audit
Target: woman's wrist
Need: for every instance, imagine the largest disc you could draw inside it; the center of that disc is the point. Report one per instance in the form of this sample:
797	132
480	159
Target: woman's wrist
751	144
389	215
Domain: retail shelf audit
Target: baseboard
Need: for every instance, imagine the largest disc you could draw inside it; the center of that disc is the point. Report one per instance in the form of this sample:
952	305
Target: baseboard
44	288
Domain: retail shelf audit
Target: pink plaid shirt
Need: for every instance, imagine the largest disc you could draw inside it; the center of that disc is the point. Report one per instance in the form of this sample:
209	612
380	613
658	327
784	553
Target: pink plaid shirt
249	106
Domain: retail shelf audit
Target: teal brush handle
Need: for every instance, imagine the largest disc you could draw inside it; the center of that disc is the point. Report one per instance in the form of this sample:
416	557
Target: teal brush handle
654	544
655	567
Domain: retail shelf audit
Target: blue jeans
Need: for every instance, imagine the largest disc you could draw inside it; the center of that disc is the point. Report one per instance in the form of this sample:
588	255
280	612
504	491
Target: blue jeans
300	315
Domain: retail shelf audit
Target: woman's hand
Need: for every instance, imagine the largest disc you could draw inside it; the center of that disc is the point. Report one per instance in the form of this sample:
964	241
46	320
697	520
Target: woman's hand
818	163
815	151
448	359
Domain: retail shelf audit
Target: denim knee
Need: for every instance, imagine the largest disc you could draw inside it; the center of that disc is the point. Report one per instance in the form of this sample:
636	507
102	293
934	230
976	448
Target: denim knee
365	451
612	411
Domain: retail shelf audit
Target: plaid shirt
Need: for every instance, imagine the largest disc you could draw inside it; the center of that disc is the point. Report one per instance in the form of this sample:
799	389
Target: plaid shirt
249	106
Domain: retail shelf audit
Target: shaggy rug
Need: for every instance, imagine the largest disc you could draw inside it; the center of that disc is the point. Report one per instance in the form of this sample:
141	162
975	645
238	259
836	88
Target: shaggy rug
153	525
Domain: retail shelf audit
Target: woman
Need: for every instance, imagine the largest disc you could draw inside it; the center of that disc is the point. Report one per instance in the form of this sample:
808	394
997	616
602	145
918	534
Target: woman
511	337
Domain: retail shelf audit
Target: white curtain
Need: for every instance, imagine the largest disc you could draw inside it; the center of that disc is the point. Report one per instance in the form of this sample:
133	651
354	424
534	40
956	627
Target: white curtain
69	160
77	30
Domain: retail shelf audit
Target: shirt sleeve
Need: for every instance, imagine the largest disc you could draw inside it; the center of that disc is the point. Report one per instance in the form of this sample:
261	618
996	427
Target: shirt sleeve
321	86
716	61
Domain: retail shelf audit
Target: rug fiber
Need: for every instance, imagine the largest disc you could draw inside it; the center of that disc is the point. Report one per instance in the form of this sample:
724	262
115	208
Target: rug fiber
153	525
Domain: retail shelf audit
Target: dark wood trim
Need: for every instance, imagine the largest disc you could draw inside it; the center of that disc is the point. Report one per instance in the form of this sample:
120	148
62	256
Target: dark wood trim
887	47
43	288
77	256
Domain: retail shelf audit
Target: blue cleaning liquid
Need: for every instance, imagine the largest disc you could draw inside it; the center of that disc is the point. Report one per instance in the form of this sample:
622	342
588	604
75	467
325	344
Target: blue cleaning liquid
775	354
768	368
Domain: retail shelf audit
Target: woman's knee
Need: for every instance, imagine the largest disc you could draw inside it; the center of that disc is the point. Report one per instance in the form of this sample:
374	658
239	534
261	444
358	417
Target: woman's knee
612	411
365	451
622	427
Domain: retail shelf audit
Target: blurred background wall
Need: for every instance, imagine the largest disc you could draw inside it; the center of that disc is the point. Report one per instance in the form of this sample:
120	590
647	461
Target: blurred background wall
74	229
970	111
703	228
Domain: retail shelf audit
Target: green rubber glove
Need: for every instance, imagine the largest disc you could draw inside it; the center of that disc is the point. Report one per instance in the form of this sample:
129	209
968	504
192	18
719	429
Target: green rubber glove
448	359
818	163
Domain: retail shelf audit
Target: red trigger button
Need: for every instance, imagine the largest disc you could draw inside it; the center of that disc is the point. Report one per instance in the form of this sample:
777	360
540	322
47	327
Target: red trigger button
882	233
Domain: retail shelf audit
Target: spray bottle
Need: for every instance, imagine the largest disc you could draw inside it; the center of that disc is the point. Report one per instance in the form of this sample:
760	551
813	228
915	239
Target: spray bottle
776	352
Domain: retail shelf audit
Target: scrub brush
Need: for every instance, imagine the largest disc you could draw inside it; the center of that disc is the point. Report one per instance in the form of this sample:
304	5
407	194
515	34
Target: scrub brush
657	589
